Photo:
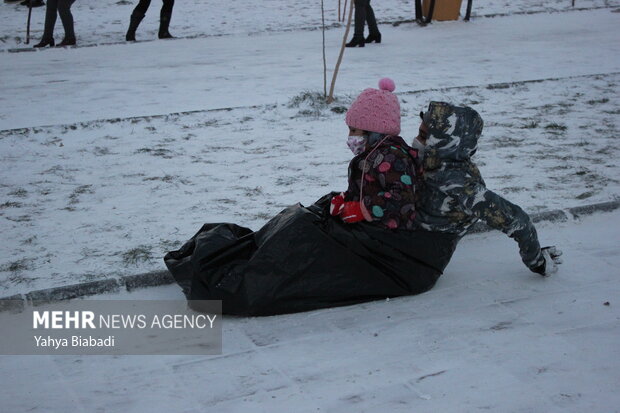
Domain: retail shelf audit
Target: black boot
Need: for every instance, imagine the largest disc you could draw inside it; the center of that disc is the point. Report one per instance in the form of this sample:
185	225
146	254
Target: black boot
164	19
32	3
45	43
355	42
134	22
373	38
164	22
67	41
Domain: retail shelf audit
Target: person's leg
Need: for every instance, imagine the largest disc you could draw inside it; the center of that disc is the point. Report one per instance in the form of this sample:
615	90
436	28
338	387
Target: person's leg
360	21
164	19
64	11
141	8
373	30
50	21
136	17
360	17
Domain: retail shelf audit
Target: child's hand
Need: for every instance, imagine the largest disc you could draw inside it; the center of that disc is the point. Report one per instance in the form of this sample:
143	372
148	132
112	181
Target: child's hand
352	212
552	260
336	205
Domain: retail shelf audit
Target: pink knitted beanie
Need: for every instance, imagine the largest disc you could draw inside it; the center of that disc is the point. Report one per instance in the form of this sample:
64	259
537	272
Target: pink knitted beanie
376	110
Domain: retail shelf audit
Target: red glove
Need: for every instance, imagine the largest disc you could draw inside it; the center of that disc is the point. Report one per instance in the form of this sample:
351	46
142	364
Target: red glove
337	204
352	212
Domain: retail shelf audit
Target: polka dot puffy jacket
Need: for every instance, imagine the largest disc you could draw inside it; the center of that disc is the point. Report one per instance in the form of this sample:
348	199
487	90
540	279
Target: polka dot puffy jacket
391	172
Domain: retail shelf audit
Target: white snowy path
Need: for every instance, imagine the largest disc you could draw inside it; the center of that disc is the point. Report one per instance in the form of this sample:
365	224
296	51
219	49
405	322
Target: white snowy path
66	86
491	336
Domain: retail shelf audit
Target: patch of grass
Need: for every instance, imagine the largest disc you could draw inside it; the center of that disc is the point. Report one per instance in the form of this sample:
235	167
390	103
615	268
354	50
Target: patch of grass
597	101
161	152
169	245
585	195
75	195
607	150
19	193
226	201
254	191
101	151
21	218
507	141
555	127
11	204
165	178
18	266
514	189
262	215
504	177
286	181
169	179
134	256
339	109
311	104
530	125
29	241
314	99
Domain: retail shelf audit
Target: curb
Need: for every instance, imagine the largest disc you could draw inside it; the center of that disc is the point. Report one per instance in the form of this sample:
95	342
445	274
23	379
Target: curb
157	278
16	303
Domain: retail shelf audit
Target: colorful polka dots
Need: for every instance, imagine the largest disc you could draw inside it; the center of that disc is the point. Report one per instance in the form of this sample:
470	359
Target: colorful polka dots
384	167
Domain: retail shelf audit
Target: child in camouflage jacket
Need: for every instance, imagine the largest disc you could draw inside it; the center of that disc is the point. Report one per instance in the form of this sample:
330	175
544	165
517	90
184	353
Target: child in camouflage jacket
453	194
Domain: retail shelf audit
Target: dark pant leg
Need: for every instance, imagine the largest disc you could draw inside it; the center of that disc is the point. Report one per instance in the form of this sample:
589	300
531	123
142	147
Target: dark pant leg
166	8
164	17
360	17
141	8
50	19
370	19
64	11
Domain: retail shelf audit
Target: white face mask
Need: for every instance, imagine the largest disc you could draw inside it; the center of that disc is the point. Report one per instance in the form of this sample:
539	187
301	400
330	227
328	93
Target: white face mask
356	144
416	144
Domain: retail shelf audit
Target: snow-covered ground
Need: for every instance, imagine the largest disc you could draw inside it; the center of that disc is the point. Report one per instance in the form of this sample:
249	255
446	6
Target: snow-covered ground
491	336
121	174
105	21
113	154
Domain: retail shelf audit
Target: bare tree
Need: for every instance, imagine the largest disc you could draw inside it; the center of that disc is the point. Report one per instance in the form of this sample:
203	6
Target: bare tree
330	98
324	60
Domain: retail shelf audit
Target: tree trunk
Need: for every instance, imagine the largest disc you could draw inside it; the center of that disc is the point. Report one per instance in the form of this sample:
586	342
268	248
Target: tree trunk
330	98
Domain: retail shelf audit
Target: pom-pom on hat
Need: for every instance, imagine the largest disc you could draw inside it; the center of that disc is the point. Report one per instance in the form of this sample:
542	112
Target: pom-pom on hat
376	110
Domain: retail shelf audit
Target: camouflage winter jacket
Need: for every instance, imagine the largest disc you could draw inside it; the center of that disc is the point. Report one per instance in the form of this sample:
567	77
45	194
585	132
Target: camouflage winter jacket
453	195
391	170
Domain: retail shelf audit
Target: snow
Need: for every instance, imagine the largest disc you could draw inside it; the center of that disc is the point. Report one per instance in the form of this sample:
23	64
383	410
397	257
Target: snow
82	205
112	154
489	336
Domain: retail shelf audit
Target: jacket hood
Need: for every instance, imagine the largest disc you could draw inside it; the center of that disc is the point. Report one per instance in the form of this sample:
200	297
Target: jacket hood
453	131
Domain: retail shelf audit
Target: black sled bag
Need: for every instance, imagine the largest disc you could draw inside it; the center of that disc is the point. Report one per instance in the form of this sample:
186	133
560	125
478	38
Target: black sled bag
304	259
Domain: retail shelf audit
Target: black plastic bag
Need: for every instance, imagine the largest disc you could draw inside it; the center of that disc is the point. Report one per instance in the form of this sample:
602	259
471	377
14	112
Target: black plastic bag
304	259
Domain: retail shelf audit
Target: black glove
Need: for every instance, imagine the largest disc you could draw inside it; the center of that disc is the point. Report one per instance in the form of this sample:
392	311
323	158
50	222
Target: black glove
551	256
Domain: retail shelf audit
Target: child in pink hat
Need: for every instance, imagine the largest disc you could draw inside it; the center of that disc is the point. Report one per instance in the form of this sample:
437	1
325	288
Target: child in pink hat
385	170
